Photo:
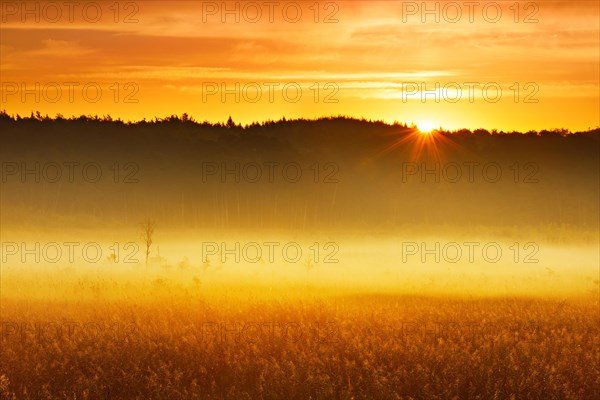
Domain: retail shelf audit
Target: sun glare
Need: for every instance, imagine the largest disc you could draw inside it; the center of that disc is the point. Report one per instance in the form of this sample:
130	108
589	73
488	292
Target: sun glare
426	127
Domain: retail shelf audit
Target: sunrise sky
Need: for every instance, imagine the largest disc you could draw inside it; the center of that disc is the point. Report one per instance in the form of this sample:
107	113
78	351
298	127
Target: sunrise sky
533	65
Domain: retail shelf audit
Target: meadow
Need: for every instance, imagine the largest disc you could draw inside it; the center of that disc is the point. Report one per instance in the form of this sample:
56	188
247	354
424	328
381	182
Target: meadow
148	336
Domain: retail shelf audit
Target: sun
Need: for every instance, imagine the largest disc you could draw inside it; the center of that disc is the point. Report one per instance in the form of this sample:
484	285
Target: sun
426	127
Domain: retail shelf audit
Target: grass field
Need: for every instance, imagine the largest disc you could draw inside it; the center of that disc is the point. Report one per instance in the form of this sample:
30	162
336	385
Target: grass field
162	342
371	326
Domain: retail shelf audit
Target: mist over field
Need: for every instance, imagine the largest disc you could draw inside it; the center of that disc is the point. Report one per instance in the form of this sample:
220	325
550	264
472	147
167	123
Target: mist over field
335	203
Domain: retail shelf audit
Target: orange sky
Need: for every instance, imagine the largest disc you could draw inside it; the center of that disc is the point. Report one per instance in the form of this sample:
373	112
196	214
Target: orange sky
367	58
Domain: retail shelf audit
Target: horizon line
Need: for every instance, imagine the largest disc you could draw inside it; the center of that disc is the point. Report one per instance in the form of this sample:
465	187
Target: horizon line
230	124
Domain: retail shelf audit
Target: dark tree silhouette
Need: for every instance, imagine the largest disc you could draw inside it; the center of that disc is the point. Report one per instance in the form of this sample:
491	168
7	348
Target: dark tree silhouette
147	233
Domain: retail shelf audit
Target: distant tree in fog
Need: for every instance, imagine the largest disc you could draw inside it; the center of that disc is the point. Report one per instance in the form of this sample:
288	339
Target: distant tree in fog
147	233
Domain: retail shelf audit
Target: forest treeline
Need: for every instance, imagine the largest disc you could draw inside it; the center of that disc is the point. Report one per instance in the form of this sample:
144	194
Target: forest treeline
190	122
328	173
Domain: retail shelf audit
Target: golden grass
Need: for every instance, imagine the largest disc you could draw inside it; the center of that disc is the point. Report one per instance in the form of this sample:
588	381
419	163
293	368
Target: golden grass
224	343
